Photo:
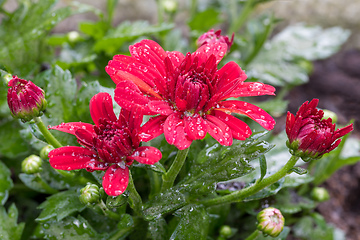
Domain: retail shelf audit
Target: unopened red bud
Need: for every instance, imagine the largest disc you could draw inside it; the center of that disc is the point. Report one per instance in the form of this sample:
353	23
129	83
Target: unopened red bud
25	99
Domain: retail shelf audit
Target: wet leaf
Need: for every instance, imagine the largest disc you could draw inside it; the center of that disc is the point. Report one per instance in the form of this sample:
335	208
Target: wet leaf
289	202
193	224
162	203
60	205
9	228
263	167
15	145
70	228
298	170
127	31
6	183
157	229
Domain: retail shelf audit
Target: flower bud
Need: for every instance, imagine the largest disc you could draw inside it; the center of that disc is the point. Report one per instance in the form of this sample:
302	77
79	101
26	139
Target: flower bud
330	114
320	194
90	194
310	136
44	152
212	37
226	231
170	5
31	164
271	221
25	99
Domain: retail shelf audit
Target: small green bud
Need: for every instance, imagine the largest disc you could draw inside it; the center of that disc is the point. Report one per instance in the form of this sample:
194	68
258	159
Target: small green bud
225	231
31	164
90	194
7	78
320	194
44	152
271	221
170	5
73	36
330	114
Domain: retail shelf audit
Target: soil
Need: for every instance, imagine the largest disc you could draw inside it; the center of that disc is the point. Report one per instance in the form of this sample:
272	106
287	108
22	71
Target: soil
336	83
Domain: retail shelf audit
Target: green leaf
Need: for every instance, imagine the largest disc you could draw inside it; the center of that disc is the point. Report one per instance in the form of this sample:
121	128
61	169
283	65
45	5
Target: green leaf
157	229
13	145
289	202
315	227
263	167
33	181
163	203
298	170
193	224
127	31
6	183
9	229
60	205
22	35
70	228
223	163
285	60
203	21
266	192
283	235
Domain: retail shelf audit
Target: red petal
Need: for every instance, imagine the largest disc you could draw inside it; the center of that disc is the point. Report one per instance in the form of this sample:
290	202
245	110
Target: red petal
146	155
149	53
219	130
152	128
249	89
174	132
195	127
230	72
101	107
128	95
116	180
290	120
176	58
70	158
239	129
204	52
250	110
71	127
161	107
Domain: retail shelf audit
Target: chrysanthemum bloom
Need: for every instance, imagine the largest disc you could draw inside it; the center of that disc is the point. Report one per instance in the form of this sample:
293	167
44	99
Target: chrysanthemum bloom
212	37
271	221
310	136
112	144
187	93
25	99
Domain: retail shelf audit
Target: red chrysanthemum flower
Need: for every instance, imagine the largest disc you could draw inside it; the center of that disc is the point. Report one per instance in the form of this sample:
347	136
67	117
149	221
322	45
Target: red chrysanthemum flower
187	92
111	144
25	99
212	37
310	136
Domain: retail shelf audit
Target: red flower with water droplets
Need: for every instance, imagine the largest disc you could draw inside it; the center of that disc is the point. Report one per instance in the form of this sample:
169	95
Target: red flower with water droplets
212	37
310	136
187	92
112	144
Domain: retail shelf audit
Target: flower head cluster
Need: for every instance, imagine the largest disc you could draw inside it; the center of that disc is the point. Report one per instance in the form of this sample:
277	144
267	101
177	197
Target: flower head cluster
310	136
25	99
212	37
187	93
112	145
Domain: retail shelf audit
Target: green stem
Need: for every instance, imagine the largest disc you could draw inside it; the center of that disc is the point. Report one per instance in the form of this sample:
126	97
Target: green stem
237	24
251	190
170	176
155	183
107	212
160	10
253	236
46	133
135	200
44	184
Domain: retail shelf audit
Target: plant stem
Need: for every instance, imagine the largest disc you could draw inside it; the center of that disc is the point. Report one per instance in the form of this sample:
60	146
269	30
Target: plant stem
44	184
135	201
237	23
170	176
107	212
160	10
253	236
249	191
46	133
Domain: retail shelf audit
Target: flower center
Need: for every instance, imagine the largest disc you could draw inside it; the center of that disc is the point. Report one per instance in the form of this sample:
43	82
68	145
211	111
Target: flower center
113	143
